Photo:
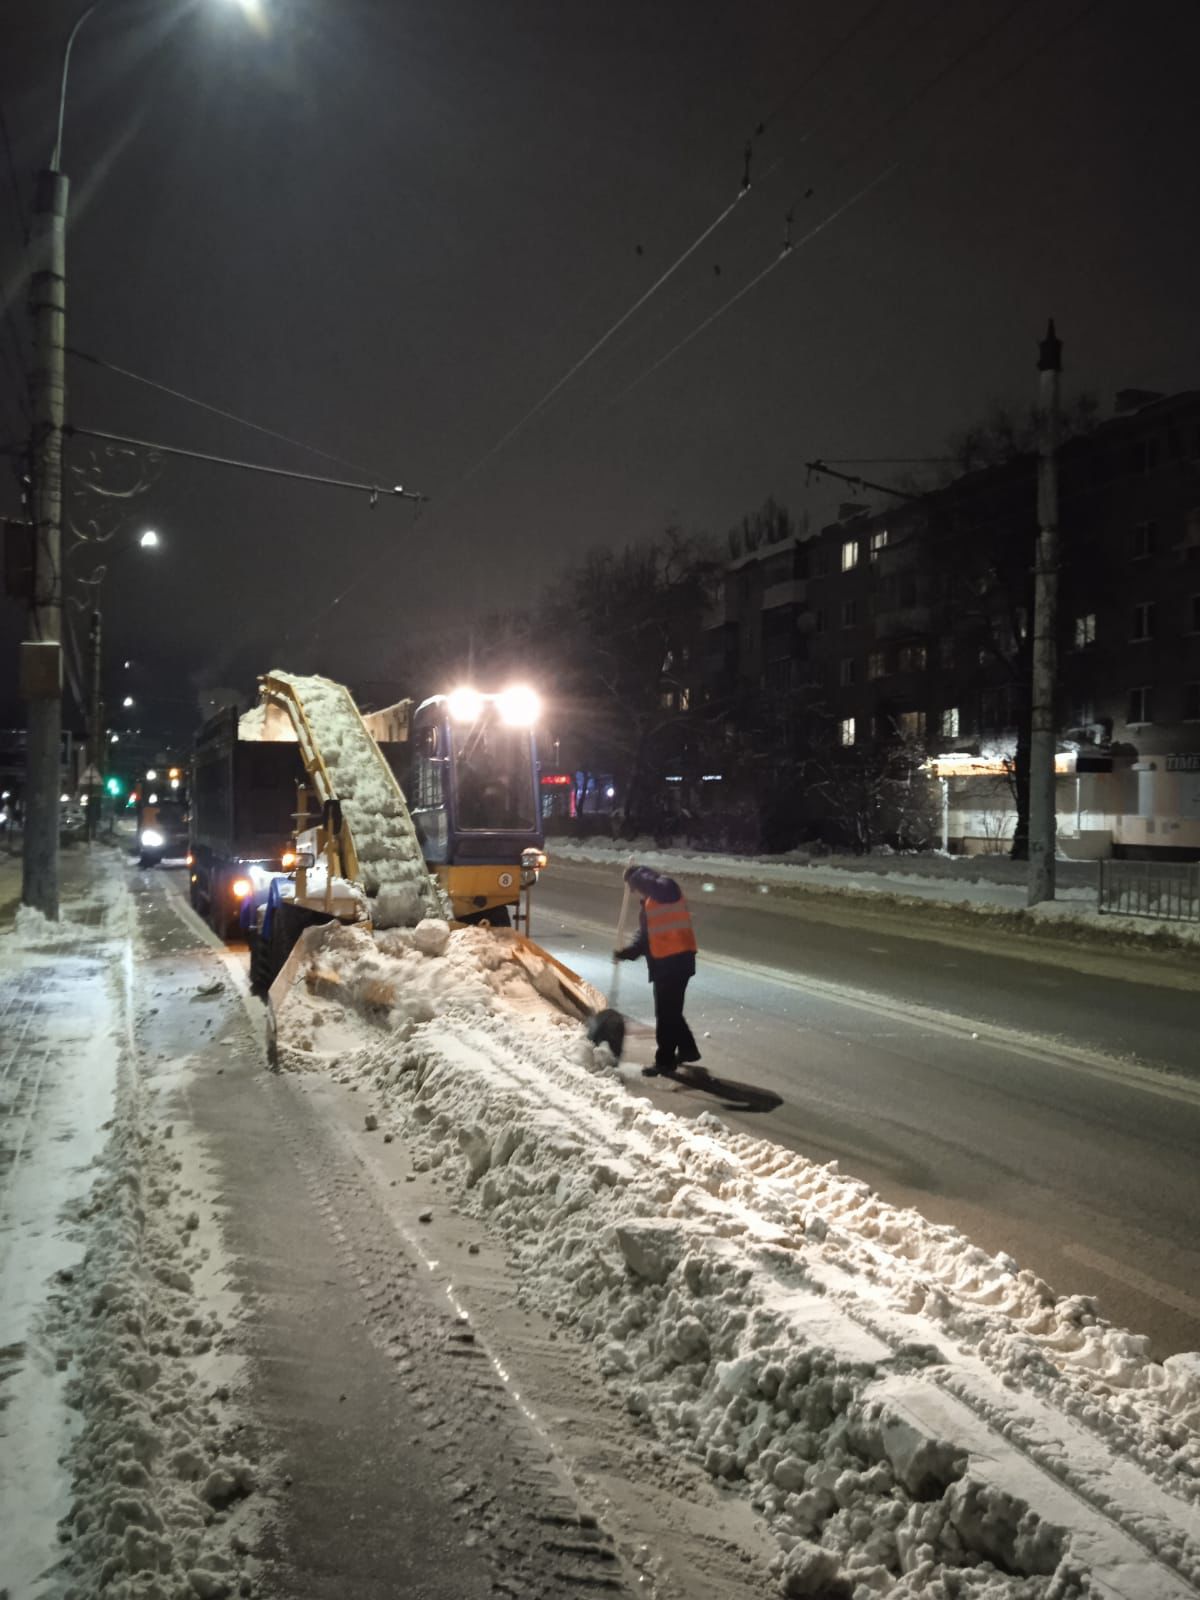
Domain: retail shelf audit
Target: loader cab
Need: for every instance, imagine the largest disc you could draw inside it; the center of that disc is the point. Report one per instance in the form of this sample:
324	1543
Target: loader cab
472	791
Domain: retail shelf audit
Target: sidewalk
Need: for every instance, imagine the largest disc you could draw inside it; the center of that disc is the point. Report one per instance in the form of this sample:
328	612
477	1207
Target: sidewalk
62	1026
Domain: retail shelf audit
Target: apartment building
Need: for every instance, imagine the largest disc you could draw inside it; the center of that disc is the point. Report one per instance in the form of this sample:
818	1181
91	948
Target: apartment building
909	630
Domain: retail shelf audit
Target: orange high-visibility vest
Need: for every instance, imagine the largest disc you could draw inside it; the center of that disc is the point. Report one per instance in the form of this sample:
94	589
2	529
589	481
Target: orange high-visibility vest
669	928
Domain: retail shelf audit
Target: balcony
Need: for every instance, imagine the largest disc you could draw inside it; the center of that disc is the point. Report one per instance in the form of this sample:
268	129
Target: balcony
897	621
791	592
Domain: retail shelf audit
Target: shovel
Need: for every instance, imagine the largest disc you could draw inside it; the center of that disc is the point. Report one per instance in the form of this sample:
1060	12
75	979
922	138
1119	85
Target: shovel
608	1026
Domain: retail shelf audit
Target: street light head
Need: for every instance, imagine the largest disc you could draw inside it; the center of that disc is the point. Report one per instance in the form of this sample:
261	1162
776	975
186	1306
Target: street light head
253	12
149	540
128	701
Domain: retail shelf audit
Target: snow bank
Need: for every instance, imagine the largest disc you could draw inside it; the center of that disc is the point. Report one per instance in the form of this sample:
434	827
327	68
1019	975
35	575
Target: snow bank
914	1416
986	885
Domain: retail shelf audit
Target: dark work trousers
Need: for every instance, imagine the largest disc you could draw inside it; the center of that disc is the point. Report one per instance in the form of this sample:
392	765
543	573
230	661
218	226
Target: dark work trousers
674	1037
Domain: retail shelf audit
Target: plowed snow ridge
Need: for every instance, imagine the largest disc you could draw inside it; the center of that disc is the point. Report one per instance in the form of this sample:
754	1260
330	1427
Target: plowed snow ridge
907	1410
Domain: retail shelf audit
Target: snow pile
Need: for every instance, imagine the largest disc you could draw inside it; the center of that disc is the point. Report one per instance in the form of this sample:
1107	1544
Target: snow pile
916	1418
161	1479
390	859
400	979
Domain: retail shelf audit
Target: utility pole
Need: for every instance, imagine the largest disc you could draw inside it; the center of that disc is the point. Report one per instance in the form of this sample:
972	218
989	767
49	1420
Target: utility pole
41	654
1042	722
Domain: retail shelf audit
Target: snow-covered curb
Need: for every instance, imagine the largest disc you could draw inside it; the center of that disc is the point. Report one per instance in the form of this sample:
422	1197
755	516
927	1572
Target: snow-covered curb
957	883
914	1416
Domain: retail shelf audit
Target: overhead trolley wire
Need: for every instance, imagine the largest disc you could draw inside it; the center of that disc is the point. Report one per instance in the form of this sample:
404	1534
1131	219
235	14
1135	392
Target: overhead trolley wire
790	246
728	305
535	410
218	411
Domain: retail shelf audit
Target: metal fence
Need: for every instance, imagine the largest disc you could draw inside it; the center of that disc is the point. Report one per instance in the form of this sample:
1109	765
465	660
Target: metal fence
1170	890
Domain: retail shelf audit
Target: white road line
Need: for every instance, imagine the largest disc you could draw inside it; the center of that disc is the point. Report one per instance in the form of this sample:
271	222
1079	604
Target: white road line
1034	1047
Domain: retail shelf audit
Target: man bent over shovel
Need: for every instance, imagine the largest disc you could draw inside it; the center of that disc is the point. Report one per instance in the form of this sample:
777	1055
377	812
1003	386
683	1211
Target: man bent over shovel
666	939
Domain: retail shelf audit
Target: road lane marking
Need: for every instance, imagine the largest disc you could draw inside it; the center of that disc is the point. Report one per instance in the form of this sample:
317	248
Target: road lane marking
1034	1047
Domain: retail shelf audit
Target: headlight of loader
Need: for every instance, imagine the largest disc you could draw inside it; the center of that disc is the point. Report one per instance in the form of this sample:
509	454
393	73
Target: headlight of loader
152	839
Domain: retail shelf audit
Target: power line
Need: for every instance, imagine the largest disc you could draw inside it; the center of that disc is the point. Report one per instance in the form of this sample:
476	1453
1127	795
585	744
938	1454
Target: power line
968	49
535	410
217	411
599	344
372	489
785	254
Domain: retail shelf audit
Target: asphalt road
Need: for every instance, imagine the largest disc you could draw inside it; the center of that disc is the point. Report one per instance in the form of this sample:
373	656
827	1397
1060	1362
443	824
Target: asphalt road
1044	1098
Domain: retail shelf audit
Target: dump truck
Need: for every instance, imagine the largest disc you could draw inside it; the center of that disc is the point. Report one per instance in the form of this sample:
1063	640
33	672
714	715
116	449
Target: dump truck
243	794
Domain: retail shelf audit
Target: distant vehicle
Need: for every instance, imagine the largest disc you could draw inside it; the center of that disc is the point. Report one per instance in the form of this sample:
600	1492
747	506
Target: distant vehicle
162	833
243	804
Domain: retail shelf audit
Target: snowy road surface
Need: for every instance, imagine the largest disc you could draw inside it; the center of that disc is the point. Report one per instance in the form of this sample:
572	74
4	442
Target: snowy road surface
991	1086
444	1309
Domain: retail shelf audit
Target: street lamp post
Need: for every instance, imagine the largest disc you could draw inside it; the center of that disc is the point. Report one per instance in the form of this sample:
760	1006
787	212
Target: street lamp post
41	653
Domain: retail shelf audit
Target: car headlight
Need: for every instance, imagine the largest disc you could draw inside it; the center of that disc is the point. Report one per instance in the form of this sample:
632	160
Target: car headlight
152	839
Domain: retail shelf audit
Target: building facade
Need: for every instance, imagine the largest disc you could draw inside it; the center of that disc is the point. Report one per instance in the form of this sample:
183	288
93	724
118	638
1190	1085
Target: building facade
898	642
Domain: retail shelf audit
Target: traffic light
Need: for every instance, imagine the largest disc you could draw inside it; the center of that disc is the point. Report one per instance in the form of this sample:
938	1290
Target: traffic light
115	787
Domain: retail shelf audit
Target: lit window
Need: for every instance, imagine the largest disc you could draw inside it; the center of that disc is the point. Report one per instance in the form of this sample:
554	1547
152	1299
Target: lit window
877	664
911	724
846	731
1143	620
1085	630
912	658
1139	706
879	541
949	723
849	554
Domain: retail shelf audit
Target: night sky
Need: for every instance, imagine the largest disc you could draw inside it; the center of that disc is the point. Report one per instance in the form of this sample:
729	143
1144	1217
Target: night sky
390	229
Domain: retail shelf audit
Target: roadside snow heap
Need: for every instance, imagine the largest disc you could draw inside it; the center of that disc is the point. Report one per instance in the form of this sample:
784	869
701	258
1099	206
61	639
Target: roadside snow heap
913	1416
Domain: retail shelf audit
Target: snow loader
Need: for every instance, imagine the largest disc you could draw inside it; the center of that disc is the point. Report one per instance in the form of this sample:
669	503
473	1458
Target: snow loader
466	846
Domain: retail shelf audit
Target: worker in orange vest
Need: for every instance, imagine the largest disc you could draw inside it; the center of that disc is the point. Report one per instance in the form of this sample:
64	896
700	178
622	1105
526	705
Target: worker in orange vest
666	940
